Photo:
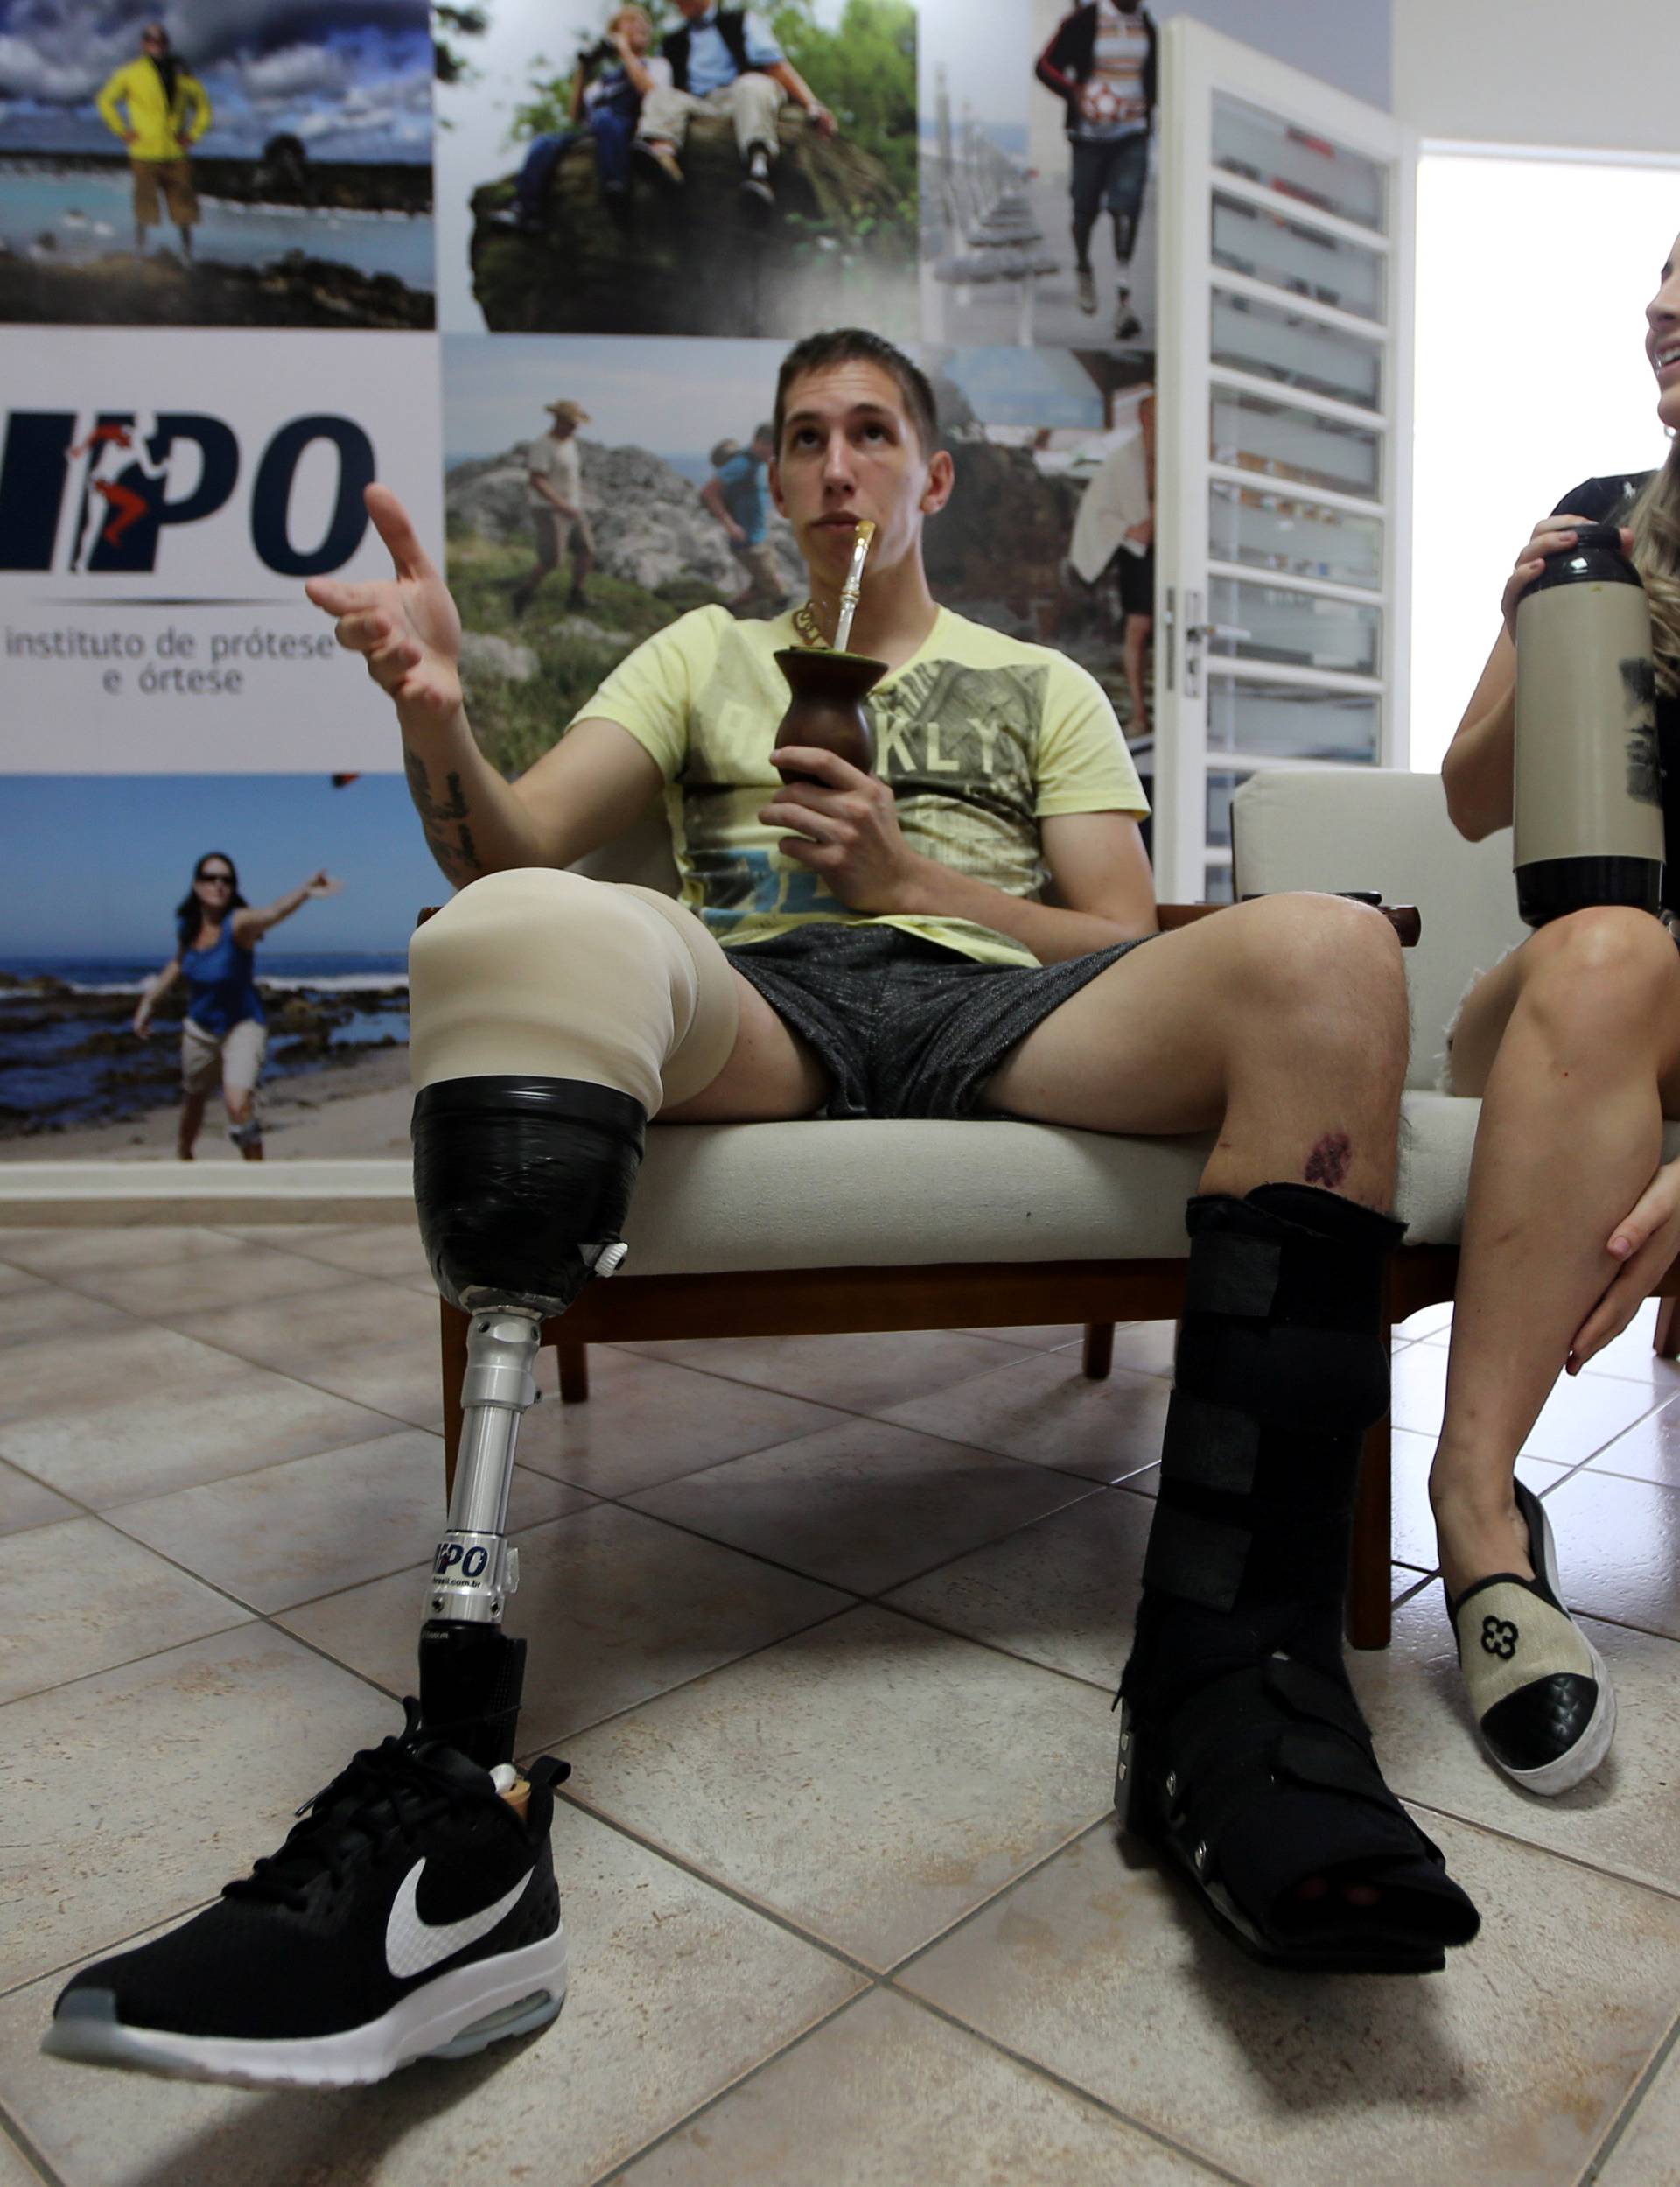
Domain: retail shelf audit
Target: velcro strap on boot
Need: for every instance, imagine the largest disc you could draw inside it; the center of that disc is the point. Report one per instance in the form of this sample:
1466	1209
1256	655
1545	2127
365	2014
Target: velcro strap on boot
1197	1559
1229	1274
1212	1446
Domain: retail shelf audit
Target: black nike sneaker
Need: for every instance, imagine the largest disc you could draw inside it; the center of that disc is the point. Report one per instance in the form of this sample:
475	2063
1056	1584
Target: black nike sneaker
412	1913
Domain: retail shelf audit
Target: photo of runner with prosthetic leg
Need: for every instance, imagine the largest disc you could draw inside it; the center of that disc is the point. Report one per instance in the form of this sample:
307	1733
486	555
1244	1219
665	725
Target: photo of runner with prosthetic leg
970	930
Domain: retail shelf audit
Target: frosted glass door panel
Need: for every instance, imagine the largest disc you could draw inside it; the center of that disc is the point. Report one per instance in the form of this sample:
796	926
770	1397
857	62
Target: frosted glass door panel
1289	255
1286	721
1298	629
1297	538
1274	343
1265	148
1249	433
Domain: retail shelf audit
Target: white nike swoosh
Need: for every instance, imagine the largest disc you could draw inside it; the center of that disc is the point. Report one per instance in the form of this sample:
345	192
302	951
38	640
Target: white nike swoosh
412	1945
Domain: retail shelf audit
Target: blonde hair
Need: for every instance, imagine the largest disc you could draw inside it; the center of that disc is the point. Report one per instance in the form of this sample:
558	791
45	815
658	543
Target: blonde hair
619	15
1654	519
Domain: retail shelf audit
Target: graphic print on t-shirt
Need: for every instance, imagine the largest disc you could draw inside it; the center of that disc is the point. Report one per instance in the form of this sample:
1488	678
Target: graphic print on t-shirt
1112	102
958	745
981	737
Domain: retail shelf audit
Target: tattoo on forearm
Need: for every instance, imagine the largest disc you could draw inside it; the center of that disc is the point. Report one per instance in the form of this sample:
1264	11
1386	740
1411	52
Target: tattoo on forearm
1330	1160
444	822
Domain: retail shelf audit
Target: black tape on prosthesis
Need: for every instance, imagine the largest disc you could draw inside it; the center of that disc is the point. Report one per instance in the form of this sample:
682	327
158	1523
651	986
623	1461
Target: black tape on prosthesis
1281	1368
471	1681
513	1176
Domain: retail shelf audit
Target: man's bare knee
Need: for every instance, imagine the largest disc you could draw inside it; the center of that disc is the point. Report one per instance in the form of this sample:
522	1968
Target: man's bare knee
771	1075
1302	952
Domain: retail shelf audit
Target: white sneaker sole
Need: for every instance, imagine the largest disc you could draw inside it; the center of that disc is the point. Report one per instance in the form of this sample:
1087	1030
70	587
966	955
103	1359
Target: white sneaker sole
1589	1750
457	2016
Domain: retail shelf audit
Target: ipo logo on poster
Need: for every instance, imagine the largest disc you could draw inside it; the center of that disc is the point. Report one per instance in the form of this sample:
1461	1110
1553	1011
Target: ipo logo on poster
162	498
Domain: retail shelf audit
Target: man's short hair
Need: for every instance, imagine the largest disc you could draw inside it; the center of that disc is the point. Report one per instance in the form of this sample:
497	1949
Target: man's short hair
849	345
721	454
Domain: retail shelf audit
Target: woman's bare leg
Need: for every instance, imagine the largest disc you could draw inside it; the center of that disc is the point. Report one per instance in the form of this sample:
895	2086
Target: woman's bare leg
1574	1045
191	1123
240	1101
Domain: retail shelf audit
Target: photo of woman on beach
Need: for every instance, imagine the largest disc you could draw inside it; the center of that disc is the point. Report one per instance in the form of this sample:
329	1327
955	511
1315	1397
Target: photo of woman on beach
83	932
224	1034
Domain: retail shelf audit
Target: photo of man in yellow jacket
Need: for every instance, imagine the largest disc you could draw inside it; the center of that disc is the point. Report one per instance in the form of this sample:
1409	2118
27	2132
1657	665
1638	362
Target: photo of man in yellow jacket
160	111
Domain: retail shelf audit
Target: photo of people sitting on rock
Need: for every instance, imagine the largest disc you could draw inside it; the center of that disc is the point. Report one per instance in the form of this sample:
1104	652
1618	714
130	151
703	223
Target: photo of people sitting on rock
682	168
208	166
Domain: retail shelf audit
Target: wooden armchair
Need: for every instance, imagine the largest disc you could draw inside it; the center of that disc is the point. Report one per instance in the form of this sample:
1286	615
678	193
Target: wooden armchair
998	1224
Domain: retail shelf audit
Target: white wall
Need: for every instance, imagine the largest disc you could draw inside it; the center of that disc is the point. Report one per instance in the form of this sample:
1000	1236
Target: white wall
1507	423
1539	72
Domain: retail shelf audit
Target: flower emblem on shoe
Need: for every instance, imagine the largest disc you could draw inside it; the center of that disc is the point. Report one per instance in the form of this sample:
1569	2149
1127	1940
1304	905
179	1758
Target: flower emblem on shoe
1499	1638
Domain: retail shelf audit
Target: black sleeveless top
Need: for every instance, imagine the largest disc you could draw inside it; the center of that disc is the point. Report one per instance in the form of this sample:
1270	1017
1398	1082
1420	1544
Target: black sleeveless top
1607	501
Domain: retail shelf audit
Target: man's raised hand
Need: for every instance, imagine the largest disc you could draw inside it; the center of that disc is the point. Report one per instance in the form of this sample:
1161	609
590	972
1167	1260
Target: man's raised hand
404	627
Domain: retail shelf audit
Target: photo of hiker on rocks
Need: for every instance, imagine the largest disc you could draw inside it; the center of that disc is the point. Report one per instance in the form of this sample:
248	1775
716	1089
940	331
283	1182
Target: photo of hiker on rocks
692	169
738	494
661	450
1039	216
202	165
1047	535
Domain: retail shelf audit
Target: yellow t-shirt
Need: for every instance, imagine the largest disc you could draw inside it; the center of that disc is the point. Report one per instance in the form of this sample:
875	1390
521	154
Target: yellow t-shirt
981	737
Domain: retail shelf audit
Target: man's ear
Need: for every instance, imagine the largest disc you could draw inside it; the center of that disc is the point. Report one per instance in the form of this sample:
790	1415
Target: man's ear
941	477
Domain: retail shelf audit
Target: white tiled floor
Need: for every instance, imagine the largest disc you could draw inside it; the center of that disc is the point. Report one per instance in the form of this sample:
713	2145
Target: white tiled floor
828	1630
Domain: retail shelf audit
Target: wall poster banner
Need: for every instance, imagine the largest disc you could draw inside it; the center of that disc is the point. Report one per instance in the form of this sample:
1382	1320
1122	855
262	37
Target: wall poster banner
162	500
638	209
607	169
98	867
268	164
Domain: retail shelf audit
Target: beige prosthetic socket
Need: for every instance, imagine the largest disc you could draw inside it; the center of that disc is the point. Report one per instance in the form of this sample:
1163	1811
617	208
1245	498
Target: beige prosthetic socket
542	974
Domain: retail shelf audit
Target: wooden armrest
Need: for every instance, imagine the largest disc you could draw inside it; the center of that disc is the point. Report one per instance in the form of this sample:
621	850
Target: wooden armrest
1405	919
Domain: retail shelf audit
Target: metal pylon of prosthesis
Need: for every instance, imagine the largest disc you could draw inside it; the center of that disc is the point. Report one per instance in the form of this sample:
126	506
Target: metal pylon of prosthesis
475	1571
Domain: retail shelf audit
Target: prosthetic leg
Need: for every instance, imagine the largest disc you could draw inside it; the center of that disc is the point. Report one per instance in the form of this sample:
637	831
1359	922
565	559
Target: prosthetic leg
552	1016
1242	1751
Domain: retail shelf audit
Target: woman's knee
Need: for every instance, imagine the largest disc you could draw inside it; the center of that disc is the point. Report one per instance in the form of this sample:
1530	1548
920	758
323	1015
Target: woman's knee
1607	971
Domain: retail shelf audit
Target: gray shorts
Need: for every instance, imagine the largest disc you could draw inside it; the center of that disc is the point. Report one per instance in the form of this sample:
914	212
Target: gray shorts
905	1027
233	1059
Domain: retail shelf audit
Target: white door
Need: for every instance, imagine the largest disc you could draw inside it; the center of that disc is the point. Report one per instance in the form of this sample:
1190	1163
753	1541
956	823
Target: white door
1283	425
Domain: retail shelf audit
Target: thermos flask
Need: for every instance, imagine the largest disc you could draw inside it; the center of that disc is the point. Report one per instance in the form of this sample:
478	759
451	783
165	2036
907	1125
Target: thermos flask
1588	806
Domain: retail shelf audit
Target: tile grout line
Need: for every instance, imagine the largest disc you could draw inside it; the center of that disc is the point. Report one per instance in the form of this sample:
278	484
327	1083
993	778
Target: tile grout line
763	1908
11	2131
668	2133
1630	2108
1532	1845
1035	2066
616	2171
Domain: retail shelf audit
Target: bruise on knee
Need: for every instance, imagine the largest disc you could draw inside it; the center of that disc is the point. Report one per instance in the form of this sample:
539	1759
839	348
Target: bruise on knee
1329	1162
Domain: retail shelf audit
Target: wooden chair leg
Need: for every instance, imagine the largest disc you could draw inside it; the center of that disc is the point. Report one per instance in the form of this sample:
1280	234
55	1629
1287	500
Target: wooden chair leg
1099	1351
1666	1344
1370	1602
574	1369
455	1325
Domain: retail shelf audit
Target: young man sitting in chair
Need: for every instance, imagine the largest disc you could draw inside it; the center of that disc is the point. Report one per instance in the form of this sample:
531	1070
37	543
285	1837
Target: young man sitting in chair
962	932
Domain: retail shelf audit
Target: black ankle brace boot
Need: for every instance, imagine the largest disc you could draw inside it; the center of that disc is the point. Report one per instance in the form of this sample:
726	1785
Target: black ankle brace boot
1243	1749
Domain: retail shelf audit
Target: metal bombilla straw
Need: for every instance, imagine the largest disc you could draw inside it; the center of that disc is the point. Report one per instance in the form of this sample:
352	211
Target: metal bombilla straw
854	584
828	687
